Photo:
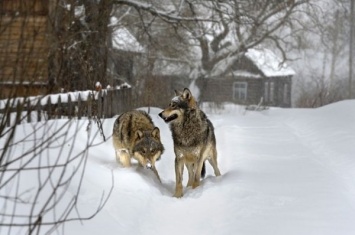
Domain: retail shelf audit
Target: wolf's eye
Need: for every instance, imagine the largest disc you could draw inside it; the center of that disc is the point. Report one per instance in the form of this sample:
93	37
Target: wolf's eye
173	105
143	151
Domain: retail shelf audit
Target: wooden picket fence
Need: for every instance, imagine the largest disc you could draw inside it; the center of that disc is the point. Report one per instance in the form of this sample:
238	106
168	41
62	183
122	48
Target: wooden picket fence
101	104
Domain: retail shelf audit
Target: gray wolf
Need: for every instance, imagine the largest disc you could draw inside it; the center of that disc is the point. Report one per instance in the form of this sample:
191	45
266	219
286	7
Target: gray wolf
193	137
135	136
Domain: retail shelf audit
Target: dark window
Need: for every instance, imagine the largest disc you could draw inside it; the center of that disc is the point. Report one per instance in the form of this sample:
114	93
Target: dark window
269	90
240	91
285	93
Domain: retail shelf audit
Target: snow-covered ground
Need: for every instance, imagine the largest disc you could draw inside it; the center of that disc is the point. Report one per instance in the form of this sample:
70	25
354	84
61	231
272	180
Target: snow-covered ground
284	171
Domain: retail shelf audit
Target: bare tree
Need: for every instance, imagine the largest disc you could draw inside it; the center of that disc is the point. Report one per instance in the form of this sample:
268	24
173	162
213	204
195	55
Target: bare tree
324	52
41	171
317	91
222	29
217	33
40	168
79	36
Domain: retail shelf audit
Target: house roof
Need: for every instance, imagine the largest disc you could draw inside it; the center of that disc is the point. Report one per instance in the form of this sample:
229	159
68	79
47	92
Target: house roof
123	40
269	63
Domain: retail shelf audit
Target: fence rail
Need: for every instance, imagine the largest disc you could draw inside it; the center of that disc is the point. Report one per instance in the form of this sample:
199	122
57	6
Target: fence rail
102	104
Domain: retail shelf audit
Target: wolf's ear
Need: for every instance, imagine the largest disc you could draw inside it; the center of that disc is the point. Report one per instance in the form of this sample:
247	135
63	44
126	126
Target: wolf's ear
156	133
178	93
139	134
186	94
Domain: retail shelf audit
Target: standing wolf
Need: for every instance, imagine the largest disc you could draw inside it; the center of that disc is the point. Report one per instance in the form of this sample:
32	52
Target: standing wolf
194	139
135	136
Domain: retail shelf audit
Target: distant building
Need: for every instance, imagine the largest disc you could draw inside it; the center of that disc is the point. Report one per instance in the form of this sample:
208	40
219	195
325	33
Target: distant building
124	55
30	60
23	47
257	76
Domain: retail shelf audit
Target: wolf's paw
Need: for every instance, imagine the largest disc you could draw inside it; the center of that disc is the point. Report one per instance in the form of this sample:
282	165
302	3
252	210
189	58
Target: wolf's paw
178	195
178	192
195	184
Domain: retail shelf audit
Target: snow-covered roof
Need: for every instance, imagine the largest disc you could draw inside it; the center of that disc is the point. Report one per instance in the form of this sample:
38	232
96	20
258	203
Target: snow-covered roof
244	73
269	63
122	39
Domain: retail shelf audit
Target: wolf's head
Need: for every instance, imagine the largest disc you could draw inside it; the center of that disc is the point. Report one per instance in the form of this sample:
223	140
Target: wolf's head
182	102
148	147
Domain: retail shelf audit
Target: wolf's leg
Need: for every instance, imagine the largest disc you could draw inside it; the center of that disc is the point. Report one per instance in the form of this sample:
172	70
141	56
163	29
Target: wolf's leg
123	157
213	162
141	160
179	167
197	169
190	169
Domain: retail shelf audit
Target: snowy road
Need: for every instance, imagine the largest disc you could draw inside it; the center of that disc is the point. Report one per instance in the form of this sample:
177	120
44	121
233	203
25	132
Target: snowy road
284	171
285	184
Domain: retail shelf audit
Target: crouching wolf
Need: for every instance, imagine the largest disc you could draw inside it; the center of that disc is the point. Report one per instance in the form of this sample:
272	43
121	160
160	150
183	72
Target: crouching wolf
194	139
135	136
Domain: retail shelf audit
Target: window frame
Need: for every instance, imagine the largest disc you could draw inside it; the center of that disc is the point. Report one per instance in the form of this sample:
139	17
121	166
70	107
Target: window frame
240	91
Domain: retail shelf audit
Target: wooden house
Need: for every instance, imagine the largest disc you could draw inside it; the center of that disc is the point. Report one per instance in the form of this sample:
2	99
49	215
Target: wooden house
259	76
39	51
125	55
23	47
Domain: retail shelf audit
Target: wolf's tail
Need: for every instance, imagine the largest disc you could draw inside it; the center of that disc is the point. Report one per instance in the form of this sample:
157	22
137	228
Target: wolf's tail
203	171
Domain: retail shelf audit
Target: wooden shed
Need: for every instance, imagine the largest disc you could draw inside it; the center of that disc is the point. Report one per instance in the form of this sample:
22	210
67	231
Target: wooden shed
258	76
23	47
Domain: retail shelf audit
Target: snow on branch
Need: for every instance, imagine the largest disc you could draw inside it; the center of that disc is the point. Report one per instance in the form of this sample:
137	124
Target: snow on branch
170	16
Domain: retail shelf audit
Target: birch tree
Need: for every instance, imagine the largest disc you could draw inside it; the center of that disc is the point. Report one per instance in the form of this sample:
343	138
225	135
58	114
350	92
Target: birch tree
325	74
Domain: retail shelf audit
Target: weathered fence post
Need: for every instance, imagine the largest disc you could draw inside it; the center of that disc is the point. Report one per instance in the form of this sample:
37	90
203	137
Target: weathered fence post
49	108
126	99
18	112
29	110
89	104
119	103
70	107
99	105
79	106
110	100
39	109
103	97
59	107
115	102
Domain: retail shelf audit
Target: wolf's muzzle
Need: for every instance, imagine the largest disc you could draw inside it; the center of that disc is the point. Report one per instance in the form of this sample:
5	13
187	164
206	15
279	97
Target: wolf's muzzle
169	118
149	165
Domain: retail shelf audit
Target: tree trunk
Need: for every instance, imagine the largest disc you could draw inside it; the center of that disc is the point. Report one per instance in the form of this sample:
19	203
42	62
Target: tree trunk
79	54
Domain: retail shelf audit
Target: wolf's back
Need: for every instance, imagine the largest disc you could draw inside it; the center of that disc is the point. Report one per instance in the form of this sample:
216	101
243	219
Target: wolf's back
129	123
